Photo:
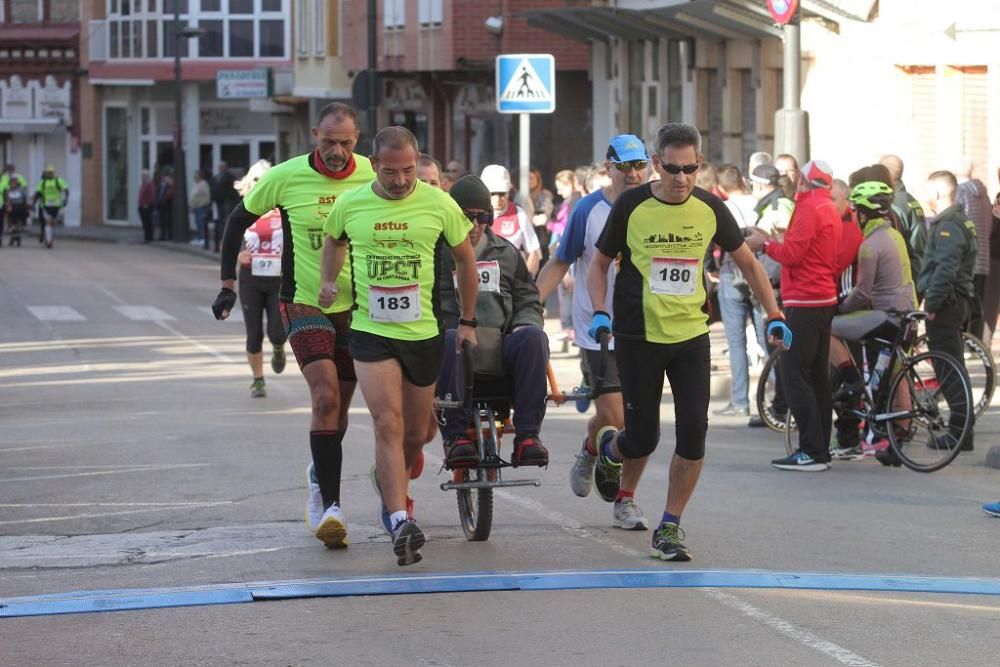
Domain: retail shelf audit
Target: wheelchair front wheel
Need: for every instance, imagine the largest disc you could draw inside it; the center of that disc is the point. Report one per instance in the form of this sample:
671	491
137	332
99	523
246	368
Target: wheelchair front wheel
475	506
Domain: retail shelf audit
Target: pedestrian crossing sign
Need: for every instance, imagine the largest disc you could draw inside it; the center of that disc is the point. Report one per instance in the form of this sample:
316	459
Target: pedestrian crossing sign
526	83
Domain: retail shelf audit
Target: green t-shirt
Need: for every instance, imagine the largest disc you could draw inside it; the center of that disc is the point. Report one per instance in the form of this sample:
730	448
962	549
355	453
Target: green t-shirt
51	191
392	256
304	197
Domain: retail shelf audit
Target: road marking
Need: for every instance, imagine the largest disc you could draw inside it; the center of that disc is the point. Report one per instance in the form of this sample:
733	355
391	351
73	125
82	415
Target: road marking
148	468
176	504
56	314
800	635
101	515
574	527
198	344
144	313
234	316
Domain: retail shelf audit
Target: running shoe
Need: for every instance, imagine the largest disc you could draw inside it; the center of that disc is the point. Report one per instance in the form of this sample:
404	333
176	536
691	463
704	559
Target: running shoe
332	529
409	508
667	543
628	516
314	506
407	540
581	475
993	509
607	473
847	453
800	461
732	411
278	359
257	389
529	451
383	511
460	452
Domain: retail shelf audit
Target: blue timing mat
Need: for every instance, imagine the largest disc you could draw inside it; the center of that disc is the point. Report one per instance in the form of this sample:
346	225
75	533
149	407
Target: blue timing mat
462	582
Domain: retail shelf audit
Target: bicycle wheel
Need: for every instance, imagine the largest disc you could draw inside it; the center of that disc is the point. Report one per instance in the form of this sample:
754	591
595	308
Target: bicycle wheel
790	431
926	436
774	417
475	506
980	366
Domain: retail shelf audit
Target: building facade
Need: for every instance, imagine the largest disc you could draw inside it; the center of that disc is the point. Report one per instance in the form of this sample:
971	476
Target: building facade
911	77
129	103
39	92
436	63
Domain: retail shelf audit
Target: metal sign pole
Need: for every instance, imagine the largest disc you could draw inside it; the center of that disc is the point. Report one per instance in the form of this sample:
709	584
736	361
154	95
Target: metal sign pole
524	142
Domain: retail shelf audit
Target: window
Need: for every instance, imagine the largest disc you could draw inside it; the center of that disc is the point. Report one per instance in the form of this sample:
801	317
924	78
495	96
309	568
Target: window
241	39
393	14
319	23
272	39
152	39
114	51
171	6
211	5
430	12
241	6
26	11
270	5
211	44
171	41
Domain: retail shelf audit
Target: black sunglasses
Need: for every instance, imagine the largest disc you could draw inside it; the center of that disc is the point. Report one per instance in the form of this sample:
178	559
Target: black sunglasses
483	217
674	169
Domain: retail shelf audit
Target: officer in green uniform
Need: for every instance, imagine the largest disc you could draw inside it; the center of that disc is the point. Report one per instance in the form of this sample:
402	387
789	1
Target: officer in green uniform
53	193
945	279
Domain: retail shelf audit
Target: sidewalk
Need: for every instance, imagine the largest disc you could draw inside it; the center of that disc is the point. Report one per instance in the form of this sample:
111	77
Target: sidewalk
124	235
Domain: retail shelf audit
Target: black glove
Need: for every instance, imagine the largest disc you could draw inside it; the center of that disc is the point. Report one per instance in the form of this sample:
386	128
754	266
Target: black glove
226	301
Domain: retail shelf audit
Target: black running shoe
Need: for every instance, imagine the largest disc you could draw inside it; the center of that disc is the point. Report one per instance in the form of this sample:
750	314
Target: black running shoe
460	452
278	359
667	543
407	540
607	473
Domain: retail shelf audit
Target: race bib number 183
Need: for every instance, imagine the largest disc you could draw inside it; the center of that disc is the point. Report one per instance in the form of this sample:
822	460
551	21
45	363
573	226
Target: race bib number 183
394	304
673	276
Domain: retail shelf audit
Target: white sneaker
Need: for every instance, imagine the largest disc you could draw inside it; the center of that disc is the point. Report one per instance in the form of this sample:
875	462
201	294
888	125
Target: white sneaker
314	506
332	530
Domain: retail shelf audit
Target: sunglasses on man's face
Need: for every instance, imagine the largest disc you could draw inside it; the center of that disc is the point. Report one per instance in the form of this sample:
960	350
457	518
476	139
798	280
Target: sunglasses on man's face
674	169
483	217
637	165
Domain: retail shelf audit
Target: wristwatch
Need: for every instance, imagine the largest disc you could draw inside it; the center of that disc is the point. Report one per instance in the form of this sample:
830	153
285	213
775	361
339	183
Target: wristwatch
469	323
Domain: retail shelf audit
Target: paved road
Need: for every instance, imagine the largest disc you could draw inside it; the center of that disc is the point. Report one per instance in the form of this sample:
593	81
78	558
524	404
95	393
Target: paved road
132	456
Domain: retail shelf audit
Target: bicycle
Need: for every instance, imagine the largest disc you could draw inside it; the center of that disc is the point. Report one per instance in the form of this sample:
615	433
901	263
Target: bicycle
488	402
925	390
981	368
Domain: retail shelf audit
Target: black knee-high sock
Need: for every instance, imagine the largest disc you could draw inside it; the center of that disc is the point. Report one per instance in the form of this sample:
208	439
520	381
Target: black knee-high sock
328	458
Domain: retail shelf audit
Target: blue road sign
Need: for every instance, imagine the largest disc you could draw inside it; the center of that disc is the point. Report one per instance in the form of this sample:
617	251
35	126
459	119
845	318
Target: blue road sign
526	83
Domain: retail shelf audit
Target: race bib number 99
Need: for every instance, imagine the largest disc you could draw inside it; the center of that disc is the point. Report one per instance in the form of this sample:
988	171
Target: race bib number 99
673	276
265	264
489	276
394	304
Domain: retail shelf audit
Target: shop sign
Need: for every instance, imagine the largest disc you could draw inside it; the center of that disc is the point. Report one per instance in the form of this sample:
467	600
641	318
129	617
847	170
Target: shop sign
243	84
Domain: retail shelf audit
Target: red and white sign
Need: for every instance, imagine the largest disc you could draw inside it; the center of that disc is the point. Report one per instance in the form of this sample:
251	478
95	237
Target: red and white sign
783	11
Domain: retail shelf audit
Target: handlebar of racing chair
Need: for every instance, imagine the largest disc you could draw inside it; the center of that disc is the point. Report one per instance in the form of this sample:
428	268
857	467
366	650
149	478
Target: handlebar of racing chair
466	403
601	386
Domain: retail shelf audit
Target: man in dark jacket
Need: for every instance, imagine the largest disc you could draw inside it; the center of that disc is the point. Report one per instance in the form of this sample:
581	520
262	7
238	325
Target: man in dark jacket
225	199
912	221
508	302
946	277
975	203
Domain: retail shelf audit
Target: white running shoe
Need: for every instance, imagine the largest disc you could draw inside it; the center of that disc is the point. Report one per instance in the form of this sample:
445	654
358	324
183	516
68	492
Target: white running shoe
332	530
314	506
581	475
628	516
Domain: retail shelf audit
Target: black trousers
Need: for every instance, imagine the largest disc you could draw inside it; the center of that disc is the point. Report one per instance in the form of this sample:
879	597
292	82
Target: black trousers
944	334
146	215
976	306
805	376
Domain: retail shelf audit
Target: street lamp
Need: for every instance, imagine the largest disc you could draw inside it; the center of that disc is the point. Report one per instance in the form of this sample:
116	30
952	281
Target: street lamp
180	221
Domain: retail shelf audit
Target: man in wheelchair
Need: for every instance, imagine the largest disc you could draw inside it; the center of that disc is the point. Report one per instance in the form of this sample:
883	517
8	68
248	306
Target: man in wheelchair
512	348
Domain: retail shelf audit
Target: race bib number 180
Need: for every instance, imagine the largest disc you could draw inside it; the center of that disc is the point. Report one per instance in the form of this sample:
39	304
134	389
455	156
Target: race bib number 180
394	304
673	276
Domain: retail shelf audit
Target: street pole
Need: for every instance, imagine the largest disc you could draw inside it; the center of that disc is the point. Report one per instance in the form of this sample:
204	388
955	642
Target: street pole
791	123
180	221
524	144
372	78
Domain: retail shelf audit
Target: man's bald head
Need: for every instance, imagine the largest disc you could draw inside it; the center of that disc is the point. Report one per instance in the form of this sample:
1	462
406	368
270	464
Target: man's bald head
895	166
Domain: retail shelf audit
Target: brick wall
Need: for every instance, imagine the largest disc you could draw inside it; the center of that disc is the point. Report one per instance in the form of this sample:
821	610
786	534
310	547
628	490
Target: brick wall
462	35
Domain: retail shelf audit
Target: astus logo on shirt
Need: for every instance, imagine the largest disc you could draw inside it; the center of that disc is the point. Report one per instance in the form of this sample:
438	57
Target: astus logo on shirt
391	226
327	200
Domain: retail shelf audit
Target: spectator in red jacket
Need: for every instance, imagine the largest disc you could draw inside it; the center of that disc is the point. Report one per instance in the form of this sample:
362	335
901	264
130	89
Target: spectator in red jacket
809	268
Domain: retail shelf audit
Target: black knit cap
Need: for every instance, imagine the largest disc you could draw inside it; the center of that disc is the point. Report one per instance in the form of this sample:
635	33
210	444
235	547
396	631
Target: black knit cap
469	192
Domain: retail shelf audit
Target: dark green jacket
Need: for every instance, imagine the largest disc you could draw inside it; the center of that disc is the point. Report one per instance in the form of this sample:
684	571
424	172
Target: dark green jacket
913	225
949	261
515	303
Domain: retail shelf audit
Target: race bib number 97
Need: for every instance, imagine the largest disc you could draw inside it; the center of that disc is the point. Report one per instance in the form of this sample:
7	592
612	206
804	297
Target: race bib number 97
394	304
265	264
673	276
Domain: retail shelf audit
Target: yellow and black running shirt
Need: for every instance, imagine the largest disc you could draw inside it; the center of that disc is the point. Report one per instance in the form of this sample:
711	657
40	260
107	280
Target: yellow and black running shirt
304	197
660	289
